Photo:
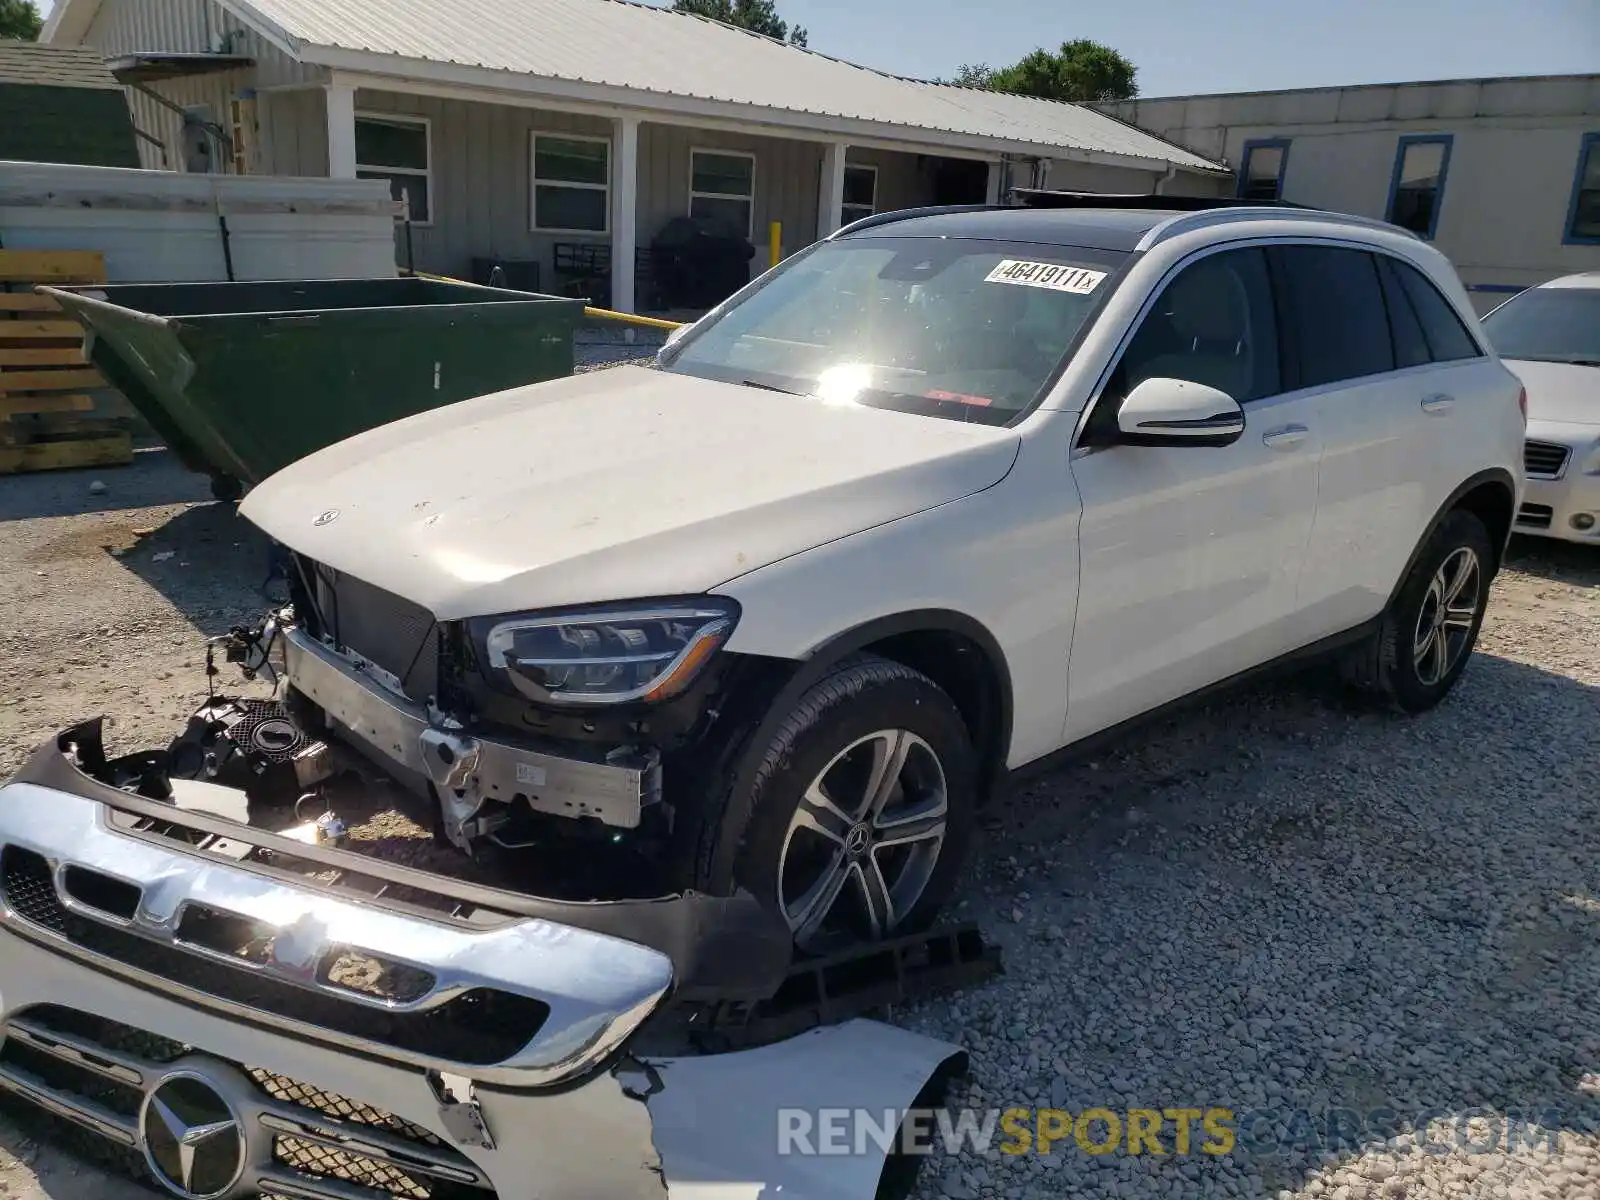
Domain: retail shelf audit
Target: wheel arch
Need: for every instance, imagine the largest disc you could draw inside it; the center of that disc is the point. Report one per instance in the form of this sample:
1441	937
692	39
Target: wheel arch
955	646
1489	495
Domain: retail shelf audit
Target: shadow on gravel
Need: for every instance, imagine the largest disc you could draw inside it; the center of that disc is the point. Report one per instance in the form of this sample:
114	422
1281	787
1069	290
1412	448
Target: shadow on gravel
210	564
1338	923
1564	562
154	478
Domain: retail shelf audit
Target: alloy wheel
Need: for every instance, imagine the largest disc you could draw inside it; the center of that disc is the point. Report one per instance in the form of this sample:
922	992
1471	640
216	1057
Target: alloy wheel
1449	611
864	840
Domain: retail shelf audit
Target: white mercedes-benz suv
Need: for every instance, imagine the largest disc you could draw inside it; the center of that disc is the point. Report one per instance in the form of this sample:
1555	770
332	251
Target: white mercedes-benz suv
1550	336
939	497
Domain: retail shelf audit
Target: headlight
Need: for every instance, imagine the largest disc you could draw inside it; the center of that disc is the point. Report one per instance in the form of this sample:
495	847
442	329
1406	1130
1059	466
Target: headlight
1591	464
606	656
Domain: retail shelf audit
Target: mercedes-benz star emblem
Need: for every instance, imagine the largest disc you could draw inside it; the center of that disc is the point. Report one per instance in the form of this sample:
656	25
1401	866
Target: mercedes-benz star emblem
193	1140
327	518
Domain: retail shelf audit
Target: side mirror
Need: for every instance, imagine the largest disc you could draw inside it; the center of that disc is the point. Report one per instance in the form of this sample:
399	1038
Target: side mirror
1177	412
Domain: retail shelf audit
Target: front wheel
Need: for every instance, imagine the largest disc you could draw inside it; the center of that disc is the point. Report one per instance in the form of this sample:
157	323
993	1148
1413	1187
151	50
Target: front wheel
1432	625
863	807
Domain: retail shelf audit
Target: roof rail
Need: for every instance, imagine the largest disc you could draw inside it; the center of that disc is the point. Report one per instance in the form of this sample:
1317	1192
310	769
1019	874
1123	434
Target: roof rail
907	214
1050	198
1189	221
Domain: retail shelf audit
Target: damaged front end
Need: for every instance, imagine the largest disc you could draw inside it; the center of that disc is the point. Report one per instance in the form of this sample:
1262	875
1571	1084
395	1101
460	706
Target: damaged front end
232	1012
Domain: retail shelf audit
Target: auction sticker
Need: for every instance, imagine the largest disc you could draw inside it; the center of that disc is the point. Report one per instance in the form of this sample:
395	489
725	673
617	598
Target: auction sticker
1057	277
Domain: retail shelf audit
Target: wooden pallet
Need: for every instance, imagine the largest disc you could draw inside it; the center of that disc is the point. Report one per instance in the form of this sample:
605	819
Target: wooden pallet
44	377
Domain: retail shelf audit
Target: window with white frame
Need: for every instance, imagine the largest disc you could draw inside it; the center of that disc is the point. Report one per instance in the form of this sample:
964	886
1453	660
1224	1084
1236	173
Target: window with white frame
860	193
571	183
722	187
397	148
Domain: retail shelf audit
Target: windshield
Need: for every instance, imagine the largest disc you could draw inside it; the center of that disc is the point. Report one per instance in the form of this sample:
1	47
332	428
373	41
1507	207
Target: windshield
965	329
1548	325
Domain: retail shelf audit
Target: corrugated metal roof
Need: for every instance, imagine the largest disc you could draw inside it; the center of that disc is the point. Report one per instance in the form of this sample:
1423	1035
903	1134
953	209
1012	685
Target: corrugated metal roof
643	48
53	66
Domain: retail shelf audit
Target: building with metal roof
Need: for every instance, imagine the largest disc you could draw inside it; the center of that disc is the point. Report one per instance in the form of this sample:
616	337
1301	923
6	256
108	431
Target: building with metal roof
565	133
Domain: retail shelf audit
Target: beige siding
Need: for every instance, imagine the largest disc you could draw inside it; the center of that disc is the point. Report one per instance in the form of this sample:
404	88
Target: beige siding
292	132
788	178
481	164
191	26
1502	217
903	179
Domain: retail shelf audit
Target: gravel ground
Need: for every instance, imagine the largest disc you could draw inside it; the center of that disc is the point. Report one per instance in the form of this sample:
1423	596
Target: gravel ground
1281	903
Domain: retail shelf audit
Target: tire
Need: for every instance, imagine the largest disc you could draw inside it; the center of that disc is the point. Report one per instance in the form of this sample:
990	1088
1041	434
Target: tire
843	728
1404	662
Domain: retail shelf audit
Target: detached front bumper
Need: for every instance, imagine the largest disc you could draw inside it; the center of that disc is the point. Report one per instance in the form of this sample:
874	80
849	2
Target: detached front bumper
169	975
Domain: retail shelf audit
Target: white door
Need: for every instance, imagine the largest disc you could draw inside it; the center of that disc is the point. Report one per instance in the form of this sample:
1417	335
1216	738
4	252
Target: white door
1190	555
1392	370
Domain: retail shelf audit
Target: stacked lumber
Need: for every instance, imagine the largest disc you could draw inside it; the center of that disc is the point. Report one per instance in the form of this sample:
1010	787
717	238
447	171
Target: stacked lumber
44	377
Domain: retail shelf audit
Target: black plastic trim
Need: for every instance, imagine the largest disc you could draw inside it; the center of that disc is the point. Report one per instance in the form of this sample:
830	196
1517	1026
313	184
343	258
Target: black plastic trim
1497	475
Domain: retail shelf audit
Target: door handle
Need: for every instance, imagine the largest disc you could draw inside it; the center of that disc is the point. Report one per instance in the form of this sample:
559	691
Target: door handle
1438	404
1285	437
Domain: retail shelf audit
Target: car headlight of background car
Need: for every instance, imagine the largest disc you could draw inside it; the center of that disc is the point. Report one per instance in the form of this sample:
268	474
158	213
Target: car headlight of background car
605	655
1591	460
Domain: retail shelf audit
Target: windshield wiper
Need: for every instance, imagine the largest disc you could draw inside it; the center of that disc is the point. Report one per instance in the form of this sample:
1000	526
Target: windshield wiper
768	387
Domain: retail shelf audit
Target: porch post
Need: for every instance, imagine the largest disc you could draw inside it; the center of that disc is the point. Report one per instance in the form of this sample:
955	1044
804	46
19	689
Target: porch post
624	209
341	102
830	199
997	170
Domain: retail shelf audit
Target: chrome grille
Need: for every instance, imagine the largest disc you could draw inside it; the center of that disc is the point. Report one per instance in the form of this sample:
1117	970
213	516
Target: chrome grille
78	1074
1544	460
477	1026
393	633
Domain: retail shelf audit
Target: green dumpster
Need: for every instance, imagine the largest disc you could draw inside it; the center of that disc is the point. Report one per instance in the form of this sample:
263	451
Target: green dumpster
241	379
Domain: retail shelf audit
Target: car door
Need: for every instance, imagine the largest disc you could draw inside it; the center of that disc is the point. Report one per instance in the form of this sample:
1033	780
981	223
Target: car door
1190	555
1358	346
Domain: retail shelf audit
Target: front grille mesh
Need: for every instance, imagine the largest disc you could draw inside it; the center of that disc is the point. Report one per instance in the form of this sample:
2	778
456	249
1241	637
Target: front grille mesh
29	890
331	1104
324	1161
1545	460
316	1169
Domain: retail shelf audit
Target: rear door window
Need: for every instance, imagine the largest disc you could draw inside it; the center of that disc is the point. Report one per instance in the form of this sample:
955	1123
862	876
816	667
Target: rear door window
1334	313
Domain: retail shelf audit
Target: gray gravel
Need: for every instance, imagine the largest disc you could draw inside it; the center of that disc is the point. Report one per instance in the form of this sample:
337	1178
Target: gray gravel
1282	902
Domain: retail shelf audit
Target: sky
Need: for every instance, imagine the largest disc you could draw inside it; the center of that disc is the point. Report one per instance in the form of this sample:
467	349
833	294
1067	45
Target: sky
1187	46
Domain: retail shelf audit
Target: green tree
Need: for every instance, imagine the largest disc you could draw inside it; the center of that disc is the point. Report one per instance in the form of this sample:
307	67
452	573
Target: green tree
758	16
1080	71
20	19
972	75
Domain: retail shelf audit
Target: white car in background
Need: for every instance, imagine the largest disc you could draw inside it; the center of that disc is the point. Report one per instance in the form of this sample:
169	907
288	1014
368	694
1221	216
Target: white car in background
1550	336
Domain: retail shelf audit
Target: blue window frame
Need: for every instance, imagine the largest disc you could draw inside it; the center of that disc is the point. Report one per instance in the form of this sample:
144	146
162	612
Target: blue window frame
1583	211
1416	189
1261	171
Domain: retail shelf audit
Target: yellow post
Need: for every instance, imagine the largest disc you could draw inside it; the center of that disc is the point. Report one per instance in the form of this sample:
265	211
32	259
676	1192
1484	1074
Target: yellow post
774	243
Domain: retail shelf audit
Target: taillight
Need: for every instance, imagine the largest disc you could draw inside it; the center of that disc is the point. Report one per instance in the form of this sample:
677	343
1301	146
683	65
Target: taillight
1522	403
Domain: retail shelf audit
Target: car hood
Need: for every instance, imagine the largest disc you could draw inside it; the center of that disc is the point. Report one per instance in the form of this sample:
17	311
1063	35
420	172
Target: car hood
617	484
1563	393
